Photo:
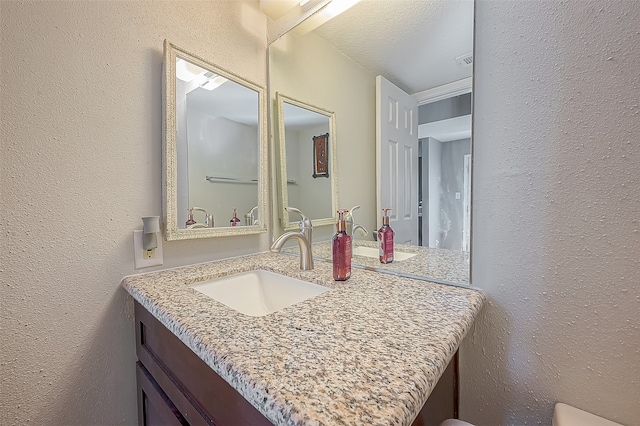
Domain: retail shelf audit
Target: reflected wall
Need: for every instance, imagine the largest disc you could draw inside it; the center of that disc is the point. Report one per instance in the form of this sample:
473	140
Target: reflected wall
310	70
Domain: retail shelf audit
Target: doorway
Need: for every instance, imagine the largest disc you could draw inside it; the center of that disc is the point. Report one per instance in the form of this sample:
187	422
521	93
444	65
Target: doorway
445	173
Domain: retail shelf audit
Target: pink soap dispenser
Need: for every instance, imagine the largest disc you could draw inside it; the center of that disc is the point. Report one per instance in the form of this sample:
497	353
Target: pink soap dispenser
341	250
385	239
190	221
234	220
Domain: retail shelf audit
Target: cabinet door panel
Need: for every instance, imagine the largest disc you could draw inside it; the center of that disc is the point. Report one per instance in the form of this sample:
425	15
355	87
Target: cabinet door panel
154	407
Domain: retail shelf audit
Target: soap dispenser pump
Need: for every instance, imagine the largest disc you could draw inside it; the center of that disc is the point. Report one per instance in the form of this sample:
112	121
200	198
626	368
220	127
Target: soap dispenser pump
341	250
385	238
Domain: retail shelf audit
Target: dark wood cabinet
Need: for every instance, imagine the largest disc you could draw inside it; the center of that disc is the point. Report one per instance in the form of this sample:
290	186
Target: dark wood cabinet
443	401
154	407
175	387
191	391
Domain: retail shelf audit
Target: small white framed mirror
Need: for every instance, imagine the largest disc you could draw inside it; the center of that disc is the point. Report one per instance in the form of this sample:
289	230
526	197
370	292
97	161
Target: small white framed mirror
215	150
306	162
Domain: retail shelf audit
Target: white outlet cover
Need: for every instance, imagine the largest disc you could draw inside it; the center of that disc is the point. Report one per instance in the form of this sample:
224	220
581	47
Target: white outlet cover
138	252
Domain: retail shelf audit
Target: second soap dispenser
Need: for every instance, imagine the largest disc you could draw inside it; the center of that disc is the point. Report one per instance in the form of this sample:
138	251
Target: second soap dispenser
341	250
234	220
385	239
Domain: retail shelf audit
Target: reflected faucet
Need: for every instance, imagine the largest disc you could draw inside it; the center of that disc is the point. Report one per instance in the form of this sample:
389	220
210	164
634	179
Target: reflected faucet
304	238
208	219
249	219
352	227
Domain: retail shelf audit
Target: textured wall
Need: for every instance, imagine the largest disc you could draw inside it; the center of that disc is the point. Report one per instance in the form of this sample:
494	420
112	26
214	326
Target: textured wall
556	213
81	163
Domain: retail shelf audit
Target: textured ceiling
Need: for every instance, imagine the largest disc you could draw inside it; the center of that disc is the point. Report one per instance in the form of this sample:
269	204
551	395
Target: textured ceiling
413	43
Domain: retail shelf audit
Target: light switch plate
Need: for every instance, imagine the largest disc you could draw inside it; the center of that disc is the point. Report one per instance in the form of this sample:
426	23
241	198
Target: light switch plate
138	252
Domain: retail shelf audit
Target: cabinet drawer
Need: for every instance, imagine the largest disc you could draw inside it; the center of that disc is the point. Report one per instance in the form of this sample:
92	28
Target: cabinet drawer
199	393
155	408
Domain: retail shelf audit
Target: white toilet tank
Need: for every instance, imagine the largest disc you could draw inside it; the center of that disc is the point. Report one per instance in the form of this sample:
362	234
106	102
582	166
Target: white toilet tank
563	415
566	415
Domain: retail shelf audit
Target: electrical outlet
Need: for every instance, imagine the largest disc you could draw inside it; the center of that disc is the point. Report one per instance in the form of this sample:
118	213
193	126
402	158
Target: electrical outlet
149	254
146	258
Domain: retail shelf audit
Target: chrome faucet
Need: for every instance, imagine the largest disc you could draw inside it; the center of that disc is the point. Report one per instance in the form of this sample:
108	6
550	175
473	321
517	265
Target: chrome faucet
352	227
249	219
208	219
304	238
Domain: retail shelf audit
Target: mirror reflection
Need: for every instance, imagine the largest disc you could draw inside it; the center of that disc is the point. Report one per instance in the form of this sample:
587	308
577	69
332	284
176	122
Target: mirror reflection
424	50
307	141
444	187
214	147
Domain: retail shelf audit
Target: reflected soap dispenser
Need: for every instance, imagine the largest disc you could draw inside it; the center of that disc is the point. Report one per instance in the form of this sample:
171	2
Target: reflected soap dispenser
190	221
385	238
234	220
341	250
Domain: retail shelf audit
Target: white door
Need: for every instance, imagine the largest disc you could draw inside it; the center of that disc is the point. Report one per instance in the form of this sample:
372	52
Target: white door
397	159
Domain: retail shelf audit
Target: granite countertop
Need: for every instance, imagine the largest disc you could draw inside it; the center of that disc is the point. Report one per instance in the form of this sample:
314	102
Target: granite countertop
369	351
438	264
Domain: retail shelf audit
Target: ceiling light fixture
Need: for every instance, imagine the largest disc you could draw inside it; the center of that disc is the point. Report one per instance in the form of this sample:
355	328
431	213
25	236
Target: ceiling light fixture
307	5
336	7
213	82
330	10
186	71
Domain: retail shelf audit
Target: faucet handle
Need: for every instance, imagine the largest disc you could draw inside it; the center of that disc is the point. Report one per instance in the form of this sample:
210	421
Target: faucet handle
305	222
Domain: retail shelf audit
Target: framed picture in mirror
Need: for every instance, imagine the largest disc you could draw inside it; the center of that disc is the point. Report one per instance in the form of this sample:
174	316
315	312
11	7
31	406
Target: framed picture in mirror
320	156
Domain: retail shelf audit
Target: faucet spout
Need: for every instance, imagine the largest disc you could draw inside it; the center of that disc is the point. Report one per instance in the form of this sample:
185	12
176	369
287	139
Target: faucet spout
306	259
249	218
352	227
304	238
363	231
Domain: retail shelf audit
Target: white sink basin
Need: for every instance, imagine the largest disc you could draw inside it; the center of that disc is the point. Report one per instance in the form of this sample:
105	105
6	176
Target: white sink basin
398	256
258	293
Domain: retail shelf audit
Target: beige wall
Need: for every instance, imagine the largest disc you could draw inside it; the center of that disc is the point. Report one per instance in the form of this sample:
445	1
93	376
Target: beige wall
81	163
556	212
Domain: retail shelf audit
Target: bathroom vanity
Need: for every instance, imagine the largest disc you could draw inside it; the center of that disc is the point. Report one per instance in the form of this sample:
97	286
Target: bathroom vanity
368	351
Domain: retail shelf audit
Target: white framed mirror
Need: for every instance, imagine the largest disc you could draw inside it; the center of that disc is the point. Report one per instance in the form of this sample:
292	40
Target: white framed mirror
215	150
306	162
